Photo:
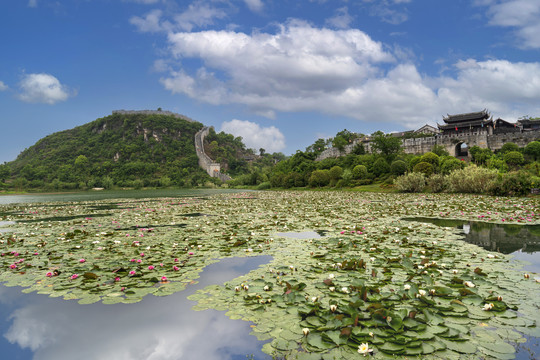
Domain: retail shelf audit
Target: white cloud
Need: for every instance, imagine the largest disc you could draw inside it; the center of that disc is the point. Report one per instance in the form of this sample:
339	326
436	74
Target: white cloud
341	19
255	136
42	88
198	14
342	73
147	2
32	3
151	22
522	15
3	86
254	5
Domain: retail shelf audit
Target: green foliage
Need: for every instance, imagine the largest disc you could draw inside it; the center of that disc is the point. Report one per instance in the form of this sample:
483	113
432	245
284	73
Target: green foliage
414	160
398	167
439	150
359	172
513	158
380	167
515	183
5	172
386	144
412	182
335	173
358	149
450	164
507	147
430	158
120	148
533	149
264	186
424	168
437	183
319	178
471	179
480	156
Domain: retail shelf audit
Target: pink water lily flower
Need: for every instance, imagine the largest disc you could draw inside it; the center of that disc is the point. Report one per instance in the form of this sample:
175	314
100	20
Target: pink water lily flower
175	268
151	267
117	278
190	253
82	260
49	274
132	272
163	278
12	266
74	276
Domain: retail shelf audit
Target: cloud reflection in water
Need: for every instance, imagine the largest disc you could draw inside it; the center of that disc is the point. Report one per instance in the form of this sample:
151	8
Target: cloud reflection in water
155	328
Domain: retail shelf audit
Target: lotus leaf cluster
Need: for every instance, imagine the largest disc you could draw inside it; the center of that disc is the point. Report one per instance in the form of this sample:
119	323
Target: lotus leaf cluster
375	284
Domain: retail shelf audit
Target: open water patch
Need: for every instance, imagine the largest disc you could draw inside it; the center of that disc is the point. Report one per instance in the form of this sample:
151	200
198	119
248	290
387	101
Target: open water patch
37	326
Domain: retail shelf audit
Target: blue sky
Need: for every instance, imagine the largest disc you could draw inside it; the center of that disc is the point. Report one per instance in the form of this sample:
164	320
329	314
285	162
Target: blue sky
278	73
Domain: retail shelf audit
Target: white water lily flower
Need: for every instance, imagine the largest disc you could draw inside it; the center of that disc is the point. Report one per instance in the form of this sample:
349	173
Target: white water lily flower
455	271
490	256
406	286
314	299
422	292
332	289
372	259
469	284
371	334
364	349
345	289
487	307
432	291
266	288
305	331
331	276
333	308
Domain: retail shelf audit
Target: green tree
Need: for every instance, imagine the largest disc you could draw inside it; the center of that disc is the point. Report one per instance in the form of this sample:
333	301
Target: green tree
424	168
480	156
359	172
398	167
507	147
5	172
430	158
380	167
513	158
533	149
319	178
386	144
450	163
439	150
335	173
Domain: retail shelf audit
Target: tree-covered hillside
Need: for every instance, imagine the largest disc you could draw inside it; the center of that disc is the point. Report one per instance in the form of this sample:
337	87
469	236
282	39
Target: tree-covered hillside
125	150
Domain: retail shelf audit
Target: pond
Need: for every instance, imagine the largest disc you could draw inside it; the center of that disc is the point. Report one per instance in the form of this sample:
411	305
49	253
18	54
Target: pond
35	326
339	273
521	241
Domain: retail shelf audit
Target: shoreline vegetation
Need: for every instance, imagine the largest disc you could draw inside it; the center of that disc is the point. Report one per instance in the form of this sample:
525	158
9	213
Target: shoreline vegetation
141	151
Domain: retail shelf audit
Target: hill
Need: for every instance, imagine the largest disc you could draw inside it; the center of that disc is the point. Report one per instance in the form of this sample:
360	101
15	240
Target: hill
125	149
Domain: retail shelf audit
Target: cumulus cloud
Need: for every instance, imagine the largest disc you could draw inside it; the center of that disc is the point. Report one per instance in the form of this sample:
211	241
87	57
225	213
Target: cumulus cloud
151	22
255	136
42	88
342	73
3	86
32	3
521	15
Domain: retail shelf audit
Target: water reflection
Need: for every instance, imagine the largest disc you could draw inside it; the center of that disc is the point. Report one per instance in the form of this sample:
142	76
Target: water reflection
3	225
39	327
507	238
300	235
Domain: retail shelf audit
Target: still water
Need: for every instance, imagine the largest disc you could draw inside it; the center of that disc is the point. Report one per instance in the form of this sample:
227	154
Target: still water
39	327
34	326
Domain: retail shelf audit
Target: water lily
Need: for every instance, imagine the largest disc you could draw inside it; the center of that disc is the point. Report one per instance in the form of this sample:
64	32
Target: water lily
74	276
422	292
526	276
490	256
487	307
364	349
266	288
82	260
469	284
175	268
332	288
163	278
406	286
345	289
151	267
132	272
305	331
49	274
333	308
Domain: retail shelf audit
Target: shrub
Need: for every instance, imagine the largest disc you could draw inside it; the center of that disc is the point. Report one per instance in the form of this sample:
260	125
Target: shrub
380	167
264	185
509	146
437	183
424	168
471	179
335	173
398	167
411	182
533	149
439	150
514	183
359	172
430	158
319	178
415	160
513	158
450	164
